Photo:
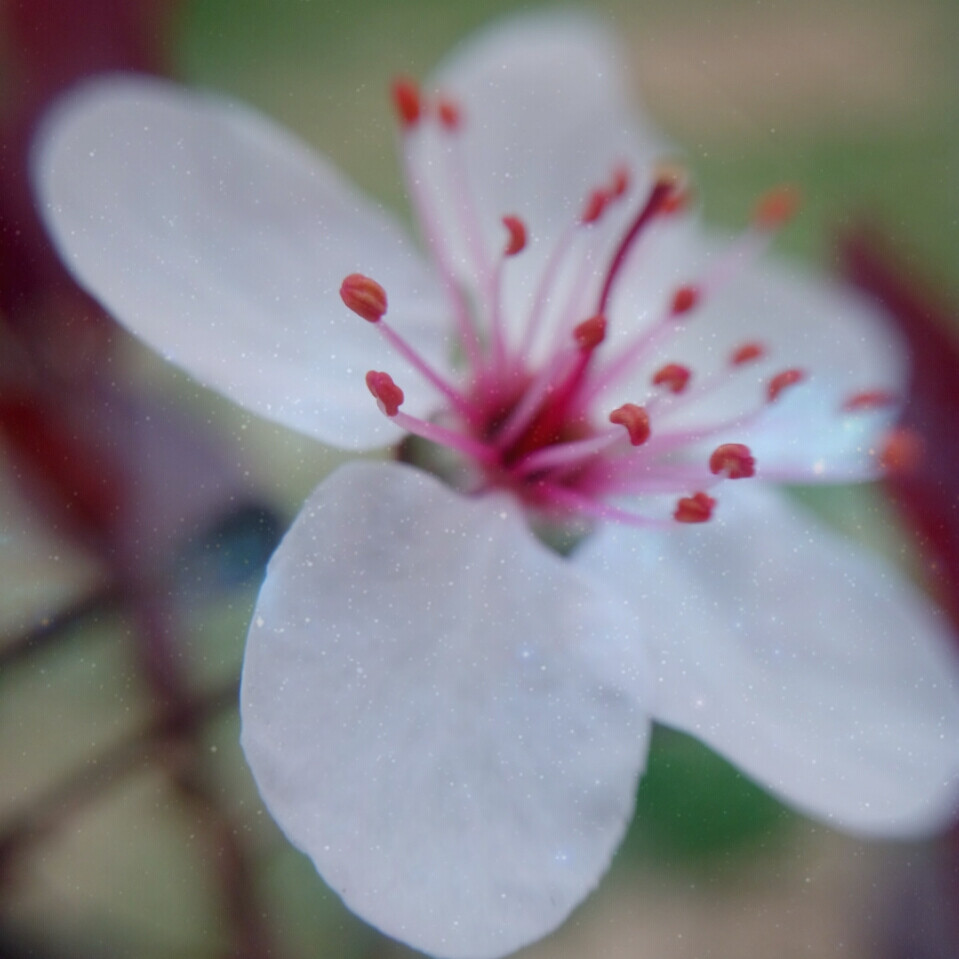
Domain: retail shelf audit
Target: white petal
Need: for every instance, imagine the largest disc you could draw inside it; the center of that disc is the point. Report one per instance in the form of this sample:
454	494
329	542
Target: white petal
545	122
442	713
222	241
803	659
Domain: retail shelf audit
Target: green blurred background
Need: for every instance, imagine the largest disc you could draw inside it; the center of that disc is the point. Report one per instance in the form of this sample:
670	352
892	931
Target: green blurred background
857	102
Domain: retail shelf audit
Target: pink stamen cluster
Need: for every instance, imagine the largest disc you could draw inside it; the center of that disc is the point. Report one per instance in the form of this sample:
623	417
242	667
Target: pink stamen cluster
537	428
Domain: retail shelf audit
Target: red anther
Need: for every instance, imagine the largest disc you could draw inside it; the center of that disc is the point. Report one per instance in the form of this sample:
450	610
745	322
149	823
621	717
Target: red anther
694	509
407	101
732	460
684	299
449	112
388	395
678	201
747	353
782	381
620	182
635	420
775	208
902	451
365	297
596	203
674	376
590	333
517	235
869	400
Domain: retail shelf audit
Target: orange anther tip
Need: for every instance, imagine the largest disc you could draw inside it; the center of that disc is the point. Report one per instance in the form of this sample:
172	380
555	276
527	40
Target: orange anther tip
388	395
635	420
407	101
516	241
697	508
775	208
684	299
732	460
596	204
782	381
365	297
747	353
620	182
903	451
673	376
678	201
590	333
449	112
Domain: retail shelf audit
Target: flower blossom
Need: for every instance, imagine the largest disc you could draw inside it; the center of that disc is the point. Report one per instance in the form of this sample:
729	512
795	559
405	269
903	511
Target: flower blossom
446	715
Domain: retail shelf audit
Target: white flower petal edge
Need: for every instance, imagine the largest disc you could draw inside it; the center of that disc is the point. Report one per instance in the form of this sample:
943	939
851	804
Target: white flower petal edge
446	716
221	240
805	660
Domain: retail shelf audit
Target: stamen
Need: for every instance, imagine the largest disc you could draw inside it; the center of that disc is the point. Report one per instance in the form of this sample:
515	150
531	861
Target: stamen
620	182
732	460
535	394
389	397
635	420
590	333
449	112
407	102
684	299
516	228
697	508
661	189
595	206
678	201
776	207
365	297
869	400
782	381
548	277
406	92
673	376
598	201
562	456
484	266
747	353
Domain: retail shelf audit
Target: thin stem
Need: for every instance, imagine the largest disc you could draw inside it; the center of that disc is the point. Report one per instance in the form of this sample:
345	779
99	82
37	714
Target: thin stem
569	454
429	224
87	610
661	189
422	367
445	437
96	775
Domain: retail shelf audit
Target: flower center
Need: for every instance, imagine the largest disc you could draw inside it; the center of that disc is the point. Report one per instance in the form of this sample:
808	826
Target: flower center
526	410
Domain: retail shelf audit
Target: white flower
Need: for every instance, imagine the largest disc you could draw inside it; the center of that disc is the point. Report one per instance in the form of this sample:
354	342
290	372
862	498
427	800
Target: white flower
447	716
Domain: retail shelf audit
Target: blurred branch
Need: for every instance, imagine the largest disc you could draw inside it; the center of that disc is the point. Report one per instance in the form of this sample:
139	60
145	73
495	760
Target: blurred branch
158	740
172	740
87	611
